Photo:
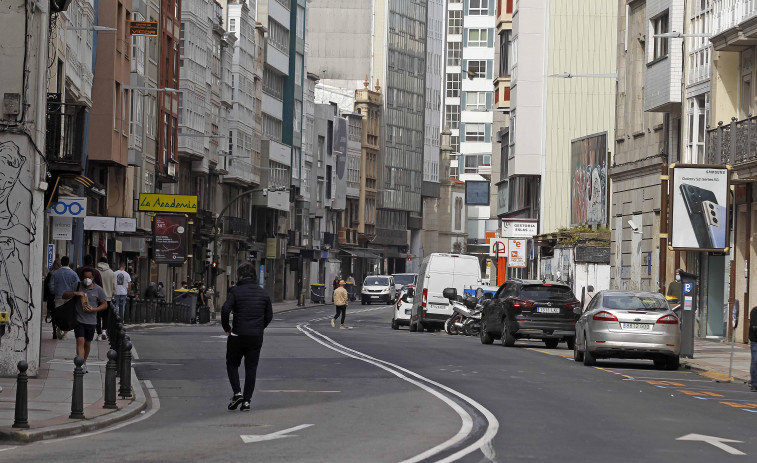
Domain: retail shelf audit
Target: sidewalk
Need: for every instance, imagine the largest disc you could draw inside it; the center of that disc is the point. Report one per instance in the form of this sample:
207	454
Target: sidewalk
286	306
50	394
712	357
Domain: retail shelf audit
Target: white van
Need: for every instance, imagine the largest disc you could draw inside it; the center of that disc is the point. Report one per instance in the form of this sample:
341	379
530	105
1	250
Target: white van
440	271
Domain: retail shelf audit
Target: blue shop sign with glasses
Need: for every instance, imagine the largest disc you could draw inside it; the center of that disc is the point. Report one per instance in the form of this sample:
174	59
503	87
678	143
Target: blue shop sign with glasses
70	206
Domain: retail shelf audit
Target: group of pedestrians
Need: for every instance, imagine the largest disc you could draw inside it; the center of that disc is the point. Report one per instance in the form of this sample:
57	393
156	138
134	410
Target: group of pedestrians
96	286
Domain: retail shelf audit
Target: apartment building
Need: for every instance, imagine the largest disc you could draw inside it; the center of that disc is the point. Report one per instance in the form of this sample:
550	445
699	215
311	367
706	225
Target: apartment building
503	55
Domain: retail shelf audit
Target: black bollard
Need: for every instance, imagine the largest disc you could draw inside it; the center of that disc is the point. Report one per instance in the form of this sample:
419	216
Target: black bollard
120	348
125	392
21	419
77	398
110	381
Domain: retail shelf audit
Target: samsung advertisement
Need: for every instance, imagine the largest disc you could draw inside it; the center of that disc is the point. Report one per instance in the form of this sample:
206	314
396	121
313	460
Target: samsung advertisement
700	208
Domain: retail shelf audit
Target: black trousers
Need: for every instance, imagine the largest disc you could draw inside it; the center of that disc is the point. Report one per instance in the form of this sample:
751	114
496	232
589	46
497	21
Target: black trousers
249	348
102	321
343	310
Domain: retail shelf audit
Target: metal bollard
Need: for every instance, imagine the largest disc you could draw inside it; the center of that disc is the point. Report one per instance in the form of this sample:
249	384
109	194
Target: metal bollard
77	398
120	347
110	381
125	392
21	419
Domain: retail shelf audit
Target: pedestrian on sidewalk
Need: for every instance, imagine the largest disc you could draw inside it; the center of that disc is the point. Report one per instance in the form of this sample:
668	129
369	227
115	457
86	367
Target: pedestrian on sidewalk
753	346
253	312
64	279
92	301
341	299
89	263
49	297
109	286
123	285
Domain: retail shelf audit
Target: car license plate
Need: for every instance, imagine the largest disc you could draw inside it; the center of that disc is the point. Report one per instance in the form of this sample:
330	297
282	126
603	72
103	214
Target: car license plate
438	306
548	309
636	326
374	297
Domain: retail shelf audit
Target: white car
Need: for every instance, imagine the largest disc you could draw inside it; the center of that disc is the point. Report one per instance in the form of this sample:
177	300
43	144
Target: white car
378	288
403	307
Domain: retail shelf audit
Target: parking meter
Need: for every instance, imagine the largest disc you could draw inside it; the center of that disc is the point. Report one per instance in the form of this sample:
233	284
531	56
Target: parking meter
689	305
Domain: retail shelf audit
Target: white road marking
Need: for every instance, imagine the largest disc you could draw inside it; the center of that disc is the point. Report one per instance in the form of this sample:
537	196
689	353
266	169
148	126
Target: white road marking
250	438
715	441
403	373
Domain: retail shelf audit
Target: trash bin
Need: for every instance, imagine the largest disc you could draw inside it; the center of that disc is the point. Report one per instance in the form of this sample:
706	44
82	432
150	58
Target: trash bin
318	293
350	287
203	314
187	298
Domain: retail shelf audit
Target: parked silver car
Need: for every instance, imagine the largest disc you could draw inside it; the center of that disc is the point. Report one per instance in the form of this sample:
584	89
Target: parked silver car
629	325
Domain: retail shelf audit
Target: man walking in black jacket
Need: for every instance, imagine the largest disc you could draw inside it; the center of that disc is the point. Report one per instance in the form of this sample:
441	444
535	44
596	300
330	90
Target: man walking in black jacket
252	313
753	346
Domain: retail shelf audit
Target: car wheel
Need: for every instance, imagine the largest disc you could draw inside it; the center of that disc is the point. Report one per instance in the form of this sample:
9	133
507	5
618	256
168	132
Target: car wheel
673	363
508	339
660	362
571	342
395	325
551	343
589	359
578	356
486	337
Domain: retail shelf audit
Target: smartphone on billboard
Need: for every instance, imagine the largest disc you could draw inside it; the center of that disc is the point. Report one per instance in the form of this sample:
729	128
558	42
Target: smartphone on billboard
714	215
694	198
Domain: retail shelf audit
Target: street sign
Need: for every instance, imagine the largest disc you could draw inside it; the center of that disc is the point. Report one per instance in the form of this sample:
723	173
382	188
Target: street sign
50	255
498	246
517	253
519	228
69	206
146	28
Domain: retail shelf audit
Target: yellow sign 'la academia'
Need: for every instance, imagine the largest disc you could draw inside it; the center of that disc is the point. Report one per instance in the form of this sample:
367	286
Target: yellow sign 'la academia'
167	203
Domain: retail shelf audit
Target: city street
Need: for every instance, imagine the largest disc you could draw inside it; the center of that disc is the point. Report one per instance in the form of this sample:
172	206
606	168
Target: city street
368	393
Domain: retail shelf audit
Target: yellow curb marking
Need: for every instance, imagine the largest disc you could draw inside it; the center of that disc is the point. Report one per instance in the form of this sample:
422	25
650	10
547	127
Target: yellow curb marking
700	393
715	375
740	405
665	383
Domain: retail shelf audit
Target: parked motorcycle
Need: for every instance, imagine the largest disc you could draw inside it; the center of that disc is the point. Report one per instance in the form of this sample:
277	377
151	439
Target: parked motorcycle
466	316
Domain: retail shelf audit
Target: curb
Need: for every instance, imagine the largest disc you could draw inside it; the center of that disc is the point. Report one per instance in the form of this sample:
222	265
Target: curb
715	375
134	408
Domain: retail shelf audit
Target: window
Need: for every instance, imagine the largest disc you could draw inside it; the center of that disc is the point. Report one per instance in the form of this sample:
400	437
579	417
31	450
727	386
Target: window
477	37
453	85
697	115
300	22
455	22
232	24
505	52
328	181
271	127
660	26
475	132
477	67
478	7
452	117
475	101
454	53
278	36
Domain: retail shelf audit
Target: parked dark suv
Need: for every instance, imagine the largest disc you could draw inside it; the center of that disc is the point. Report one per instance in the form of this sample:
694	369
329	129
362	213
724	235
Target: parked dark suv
531	309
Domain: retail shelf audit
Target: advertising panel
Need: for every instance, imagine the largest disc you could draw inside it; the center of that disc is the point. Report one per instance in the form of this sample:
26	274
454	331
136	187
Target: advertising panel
477	193
700	211
516	250
170	239
588	187
158	202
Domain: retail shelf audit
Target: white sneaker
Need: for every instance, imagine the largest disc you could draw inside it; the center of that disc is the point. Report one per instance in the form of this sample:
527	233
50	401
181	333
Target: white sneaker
84	367
332	322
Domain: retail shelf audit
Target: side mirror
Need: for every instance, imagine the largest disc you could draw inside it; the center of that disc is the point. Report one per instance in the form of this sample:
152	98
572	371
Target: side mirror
577	310
488	296
450	293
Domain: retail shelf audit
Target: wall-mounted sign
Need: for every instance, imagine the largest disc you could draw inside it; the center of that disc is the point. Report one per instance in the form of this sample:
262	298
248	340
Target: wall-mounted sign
477	192
498	247
50	255
148	28
126	224
517	253
99	223
519	228
271	248
157	202
69	207
63	228
701	211
170	239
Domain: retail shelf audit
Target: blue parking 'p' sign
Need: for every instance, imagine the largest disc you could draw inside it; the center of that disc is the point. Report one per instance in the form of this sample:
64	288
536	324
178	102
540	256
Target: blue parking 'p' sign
688	287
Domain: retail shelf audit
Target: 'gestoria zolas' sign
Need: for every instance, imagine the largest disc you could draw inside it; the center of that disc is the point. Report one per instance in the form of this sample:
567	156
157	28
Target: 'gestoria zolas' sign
167	203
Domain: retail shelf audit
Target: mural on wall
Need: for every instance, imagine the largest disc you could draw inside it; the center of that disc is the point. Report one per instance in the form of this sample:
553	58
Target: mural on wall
18	218
588	189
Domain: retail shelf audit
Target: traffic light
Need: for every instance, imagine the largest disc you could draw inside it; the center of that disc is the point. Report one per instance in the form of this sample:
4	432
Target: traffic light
214	265
207	254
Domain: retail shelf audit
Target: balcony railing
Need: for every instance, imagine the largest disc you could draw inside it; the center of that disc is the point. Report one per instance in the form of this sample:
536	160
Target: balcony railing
734	143
728	14
65	134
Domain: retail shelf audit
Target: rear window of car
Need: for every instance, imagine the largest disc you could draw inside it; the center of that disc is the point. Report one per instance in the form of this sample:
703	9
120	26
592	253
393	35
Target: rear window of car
545	293
376	281
634	302
404	279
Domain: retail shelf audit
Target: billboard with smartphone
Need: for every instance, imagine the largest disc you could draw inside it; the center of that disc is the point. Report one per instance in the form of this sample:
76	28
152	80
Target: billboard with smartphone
700	208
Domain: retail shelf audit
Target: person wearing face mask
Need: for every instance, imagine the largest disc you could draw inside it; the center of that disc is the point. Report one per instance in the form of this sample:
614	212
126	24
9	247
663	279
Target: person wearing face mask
93	300
674	288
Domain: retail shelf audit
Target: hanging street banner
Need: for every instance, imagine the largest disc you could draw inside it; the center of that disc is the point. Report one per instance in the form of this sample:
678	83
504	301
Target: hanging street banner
146	28
157	202
170	239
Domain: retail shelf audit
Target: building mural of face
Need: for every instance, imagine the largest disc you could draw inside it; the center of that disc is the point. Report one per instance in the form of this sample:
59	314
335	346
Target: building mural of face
17	231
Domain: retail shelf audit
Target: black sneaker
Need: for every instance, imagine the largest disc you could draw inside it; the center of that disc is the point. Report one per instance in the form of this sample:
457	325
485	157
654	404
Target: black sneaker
753	388
235	401
245	407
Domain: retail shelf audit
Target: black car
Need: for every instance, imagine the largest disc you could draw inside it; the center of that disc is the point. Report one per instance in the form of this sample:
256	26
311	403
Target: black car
531	309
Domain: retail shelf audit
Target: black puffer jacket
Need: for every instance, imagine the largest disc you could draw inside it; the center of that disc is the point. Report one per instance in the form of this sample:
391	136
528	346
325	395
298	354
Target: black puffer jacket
251	306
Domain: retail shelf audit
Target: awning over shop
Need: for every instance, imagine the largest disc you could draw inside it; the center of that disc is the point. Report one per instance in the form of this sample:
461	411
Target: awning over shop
361	253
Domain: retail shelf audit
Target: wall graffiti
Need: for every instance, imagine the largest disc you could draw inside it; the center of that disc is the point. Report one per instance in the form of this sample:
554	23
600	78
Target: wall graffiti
18	218
588	168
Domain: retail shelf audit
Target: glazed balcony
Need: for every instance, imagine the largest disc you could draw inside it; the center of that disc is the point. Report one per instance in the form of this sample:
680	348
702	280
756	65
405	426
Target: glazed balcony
734	24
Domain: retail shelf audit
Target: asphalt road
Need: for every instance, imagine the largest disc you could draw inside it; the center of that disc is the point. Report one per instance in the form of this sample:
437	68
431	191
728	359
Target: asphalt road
371	394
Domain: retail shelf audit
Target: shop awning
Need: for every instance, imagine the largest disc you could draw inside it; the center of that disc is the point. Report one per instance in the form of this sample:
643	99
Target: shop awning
361	253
